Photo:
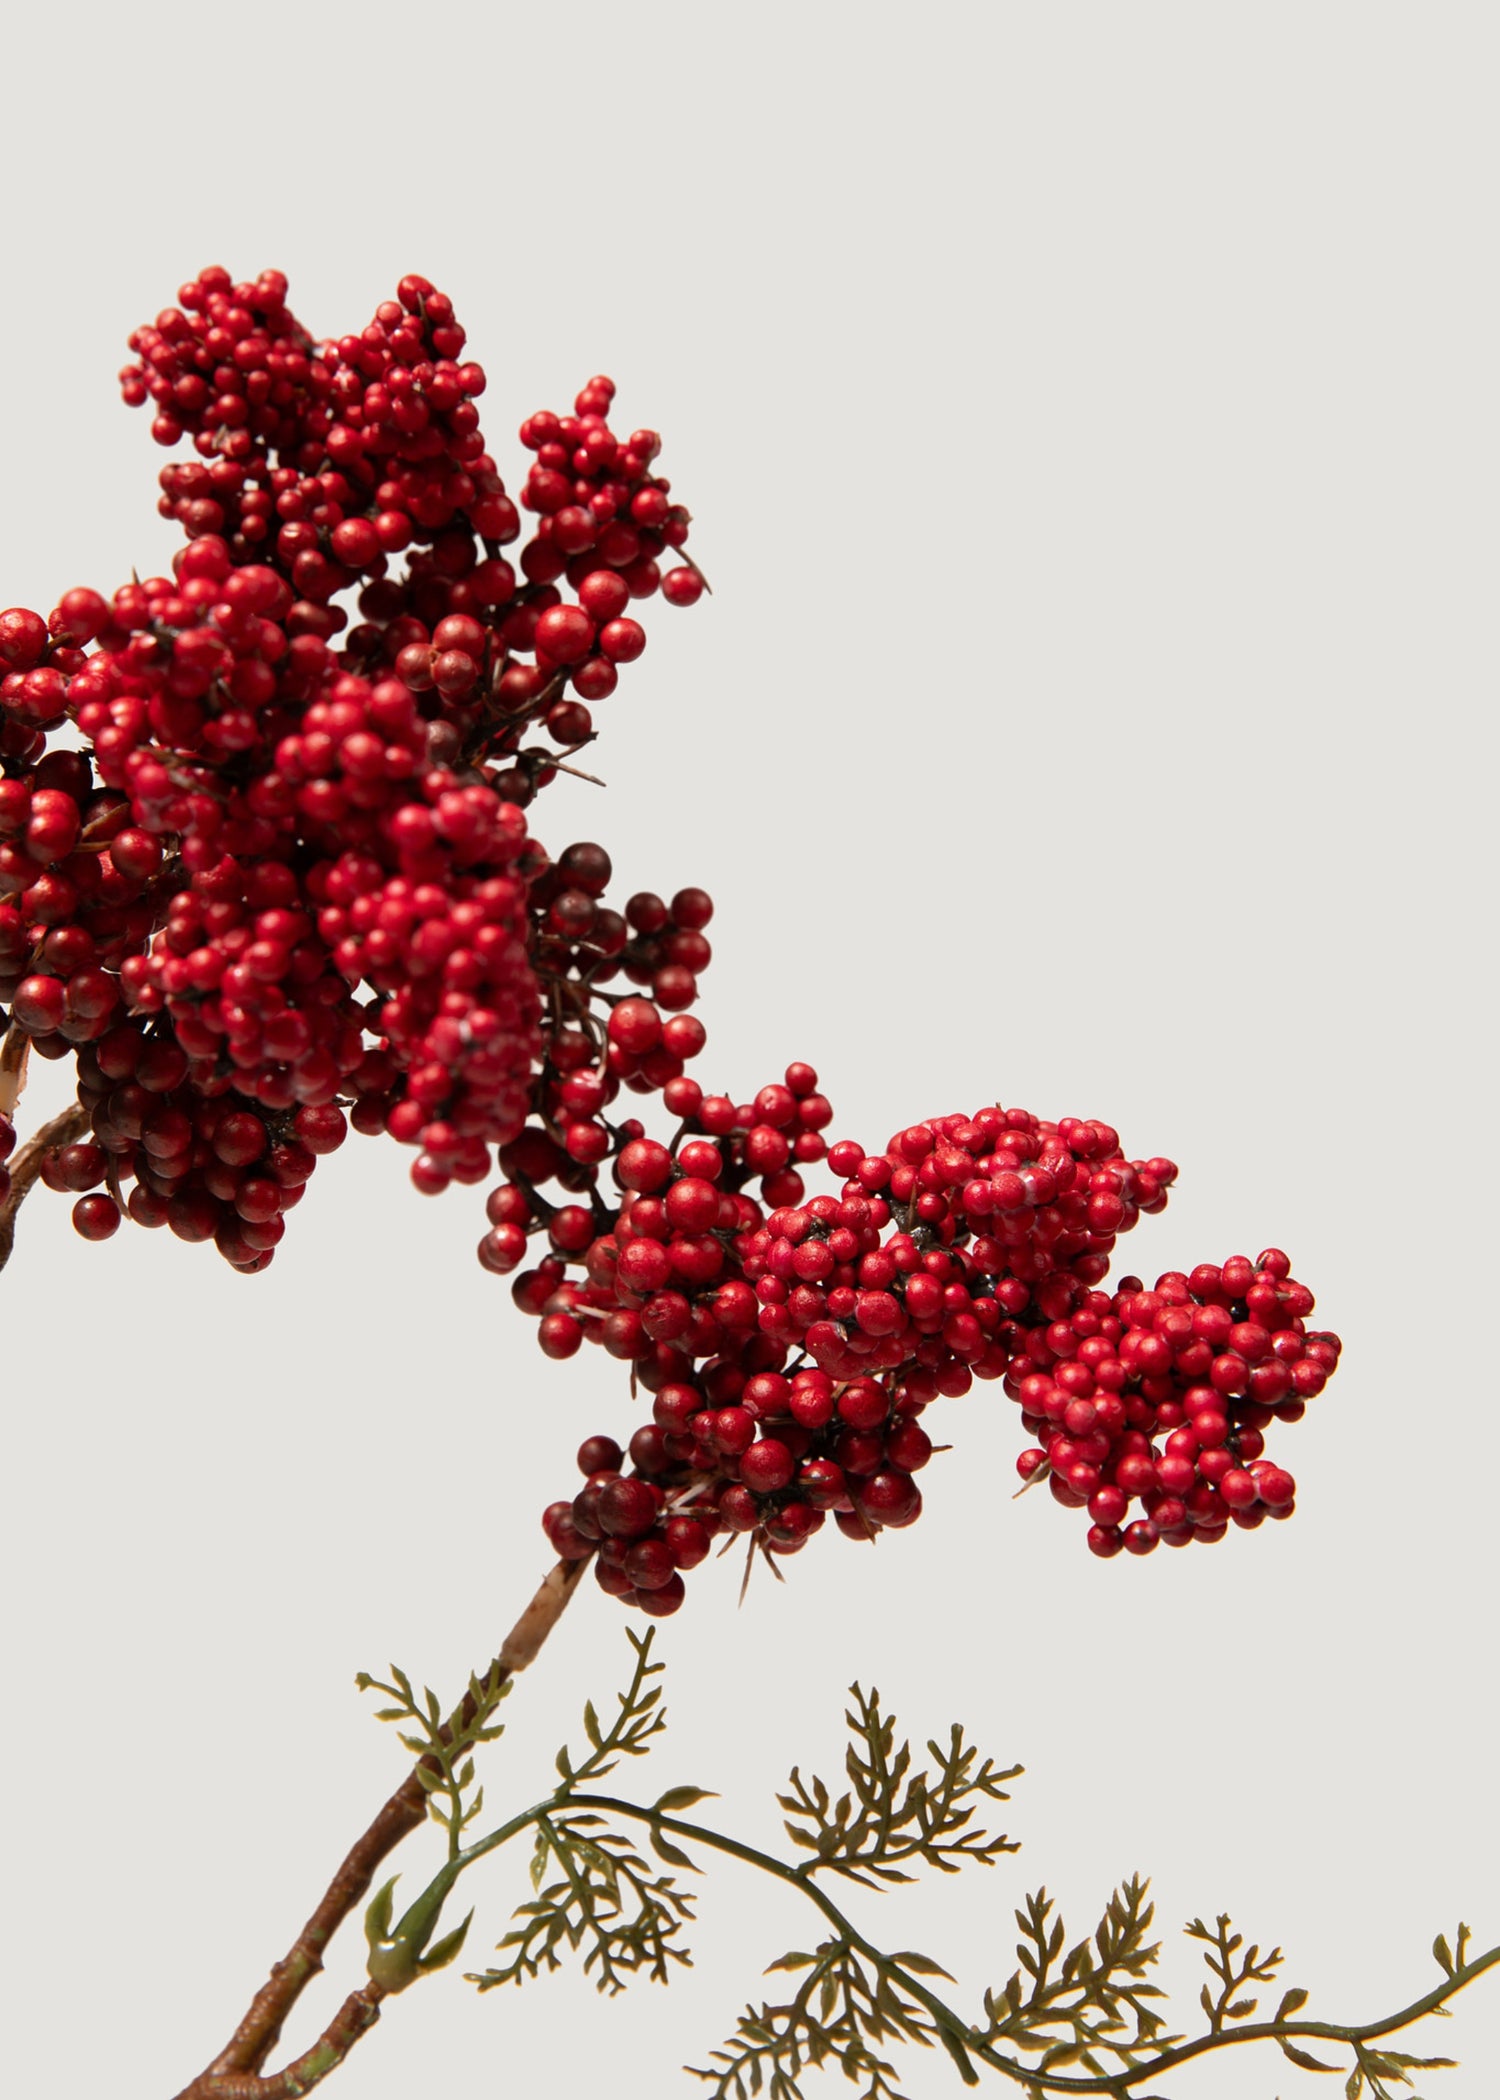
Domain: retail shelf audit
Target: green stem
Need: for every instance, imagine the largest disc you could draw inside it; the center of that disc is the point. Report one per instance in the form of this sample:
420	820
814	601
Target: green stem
943	2014
1011	2067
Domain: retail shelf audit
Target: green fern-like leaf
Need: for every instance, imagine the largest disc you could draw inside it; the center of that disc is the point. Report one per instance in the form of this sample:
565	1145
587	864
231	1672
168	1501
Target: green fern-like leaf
1232	1970
445	1771
1086	2005
845	2012
604	1900
894	1815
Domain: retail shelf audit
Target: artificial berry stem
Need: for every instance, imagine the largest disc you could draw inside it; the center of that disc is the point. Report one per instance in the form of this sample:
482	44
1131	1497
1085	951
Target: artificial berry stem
24	1169
235	2073
355	2017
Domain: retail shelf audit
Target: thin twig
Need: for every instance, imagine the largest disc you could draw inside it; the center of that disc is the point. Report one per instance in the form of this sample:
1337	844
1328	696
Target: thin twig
237	2072
687	560
65	1129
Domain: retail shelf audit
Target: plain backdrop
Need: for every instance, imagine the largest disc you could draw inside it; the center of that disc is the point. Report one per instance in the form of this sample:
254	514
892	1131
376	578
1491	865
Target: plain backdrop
1089	417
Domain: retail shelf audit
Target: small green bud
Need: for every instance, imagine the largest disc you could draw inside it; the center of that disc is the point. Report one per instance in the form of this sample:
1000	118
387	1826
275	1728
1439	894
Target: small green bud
395	1957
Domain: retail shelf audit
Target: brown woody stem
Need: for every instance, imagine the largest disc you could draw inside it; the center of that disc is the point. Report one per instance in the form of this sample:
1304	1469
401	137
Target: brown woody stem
237	2073
14	1053
356	2016
65	1129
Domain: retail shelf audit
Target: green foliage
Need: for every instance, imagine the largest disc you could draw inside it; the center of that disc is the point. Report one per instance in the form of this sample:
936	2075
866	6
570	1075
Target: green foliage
1452	1962
640	1718
845	2010
1078	2019
1088	2003
1374	2068
1231	1970
446	1771
894	1814
604	1898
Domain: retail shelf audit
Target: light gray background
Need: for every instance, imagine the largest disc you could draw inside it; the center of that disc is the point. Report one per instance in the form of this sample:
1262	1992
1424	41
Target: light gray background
1089	417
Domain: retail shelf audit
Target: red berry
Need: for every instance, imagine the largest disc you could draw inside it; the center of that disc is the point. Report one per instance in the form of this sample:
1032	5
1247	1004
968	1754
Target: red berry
622	641
565	633
1238	1489
635	1025
96	1217
682	586
688	1540
646	1166
1275	1487
38	1005
889	1498
651	1564
627	1508
661	1602
604	595
560	1335
766	1466
598	1454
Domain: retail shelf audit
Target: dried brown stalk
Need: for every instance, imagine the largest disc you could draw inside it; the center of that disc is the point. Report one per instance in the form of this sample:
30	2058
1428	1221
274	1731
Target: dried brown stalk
237	2072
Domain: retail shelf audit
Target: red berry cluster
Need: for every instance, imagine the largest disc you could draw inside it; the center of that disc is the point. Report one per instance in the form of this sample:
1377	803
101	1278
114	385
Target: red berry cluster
277	877
287	874
792	1343
327	458
1165	1394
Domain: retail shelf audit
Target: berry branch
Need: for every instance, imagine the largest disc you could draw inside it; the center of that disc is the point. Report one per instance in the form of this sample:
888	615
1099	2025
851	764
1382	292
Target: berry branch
283	884
267	876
